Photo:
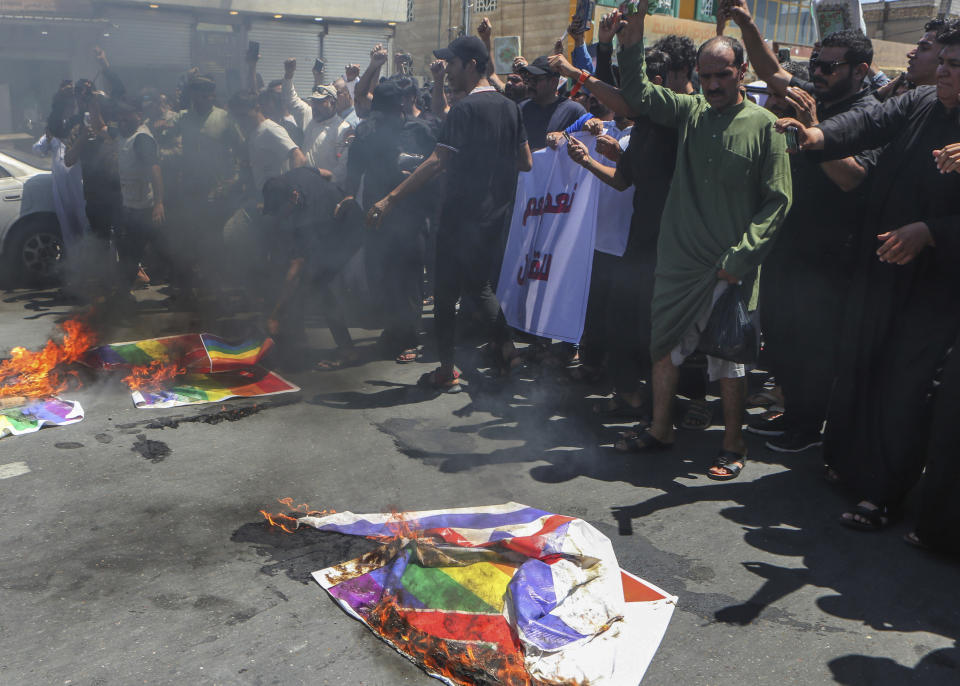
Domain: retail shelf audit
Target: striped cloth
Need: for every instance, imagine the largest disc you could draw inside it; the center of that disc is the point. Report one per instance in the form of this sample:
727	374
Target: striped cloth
516	593
197	389
201	353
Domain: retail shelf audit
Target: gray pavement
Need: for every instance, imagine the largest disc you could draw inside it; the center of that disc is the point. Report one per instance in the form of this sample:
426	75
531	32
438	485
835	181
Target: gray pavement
133	552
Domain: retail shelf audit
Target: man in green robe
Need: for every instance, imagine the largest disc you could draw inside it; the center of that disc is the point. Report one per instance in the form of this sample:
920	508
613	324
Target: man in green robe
730	193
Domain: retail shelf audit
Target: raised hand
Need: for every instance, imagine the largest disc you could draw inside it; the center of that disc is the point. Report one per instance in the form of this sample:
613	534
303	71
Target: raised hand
379	55
562	66
352	72
519	63
804	105
485	30
437	69
609	25
289	67
735	10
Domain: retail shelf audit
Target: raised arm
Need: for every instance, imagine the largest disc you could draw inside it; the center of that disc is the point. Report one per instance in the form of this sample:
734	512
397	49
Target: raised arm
363	97
300	110
761	57
438	99
605	33
611	96
485	31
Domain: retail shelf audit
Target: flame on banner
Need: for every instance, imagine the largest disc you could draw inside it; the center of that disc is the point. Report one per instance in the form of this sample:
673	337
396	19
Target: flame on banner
464	663
154	376
37	374
287	522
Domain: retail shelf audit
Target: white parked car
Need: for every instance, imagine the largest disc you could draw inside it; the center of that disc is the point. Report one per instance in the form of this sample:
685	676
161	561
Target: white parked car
30	242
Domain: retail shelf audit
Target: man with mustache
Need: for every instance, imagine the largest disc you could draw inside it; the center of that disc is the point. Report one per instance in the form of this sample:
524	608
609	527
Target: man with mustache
729	195
808	269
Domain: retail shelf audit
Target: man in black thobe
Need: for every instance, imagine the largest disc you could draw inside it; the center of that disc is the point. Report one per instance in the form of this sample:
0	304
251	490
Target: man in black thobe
902	315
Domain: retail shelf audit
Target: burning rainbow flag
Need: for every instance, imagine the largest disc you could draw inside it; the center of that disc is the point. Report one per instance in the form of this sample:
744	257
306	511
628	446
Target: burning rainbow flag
197	389
36	414
504	594
200	353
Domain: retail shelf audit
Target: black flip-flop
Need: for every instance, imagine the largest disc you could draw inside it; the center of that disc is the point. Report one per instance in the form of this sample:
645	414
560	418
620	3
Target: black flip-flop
430	381
621	408
643	442
728	459
877	519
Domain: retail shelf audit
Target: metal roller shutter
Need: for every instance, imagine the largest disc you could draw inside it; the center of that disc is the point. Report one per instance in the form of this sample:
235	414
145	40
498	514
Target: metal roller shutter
280	40
346	44
157	39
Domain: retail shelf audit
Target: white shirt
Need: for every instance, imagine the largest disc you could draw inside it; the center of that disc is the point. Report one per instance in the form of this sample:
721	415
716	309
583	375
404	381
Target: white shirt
325	145
270	147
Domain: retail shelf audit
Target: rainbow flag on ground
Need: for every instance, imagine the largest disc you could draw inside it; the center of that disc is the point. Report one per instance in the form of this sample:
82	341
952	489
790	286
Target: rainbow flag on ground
200	353
504	594
197	389
39	413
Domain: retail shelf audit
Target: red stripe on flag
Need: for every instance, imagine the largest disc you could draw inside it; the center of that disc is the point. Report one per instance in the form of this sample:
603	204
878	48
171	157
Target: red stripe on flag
532	546
461	626
635	591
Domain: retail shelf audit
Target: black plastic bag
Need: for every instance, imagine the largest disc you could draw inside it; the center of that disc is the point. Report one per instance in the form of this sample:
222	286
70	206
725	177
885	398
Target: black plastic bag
731	333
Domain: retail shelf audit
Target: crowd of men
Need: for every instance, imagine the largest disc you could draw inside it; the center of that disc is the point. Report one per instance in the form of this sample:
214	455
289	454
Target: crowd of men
841	184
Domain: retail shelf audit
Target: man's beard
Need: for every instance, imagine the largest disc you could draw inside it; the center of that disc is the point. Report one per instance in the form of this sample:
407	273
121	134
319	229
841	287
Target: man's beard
840	90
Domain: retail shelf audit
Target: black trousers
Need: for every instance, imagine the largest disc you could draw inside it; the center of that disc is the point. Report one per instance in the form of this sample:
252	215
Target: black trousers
628	318
395	258
136	228
595	339
468	265
939	522
801	314
879	416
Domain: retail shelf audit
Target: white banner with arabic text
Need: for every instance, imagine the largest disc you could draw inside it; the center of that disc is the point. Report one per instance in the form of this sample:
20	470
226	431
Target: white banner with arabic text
545	278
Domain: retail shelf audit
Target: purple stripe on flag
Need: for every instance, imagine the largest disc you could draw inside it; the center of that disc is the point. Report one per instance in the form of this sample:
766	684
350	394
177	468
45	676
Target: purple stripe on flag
450	521
534	598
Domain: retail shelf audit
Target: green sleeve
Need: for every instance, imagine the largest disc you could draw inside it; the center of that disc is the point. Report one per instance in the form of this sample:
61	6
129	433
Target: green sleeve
661	105
775	197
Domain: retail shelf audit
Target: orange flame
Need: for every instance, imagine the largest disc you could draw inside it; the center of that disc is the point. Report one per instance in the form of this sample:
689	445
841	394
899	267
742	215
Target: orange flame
467	664
36	374
288	523
154	376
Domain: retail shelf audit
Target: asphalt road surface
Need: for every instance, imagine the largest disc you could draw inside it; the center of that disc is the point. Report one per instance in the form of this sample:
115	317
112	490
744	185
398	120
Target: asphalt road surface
133	551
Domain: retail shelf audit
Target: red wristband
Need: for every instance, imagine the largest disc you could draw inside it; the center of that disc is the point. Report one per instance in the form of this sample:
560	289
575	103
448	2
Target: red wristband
584	75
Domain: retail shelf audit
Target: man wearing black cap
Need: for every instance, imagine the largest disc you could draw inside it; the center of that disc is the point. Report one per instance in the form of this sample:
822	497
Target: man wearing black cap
481	147
545	111
314	237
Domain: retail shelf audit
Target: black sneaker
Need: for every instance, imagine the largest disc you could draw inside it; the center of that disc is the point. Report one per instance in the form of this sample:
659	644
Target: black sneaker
795	442
770	423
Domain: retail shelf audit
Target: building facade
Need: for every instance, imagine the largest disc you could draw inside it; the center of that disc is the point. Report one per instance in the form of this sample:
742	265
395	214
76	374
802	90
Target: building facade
903	20
154	43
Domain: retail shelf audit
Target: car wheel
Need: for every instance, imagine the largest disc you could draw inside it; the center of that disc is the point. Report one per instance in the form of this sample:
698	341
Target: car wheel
34	254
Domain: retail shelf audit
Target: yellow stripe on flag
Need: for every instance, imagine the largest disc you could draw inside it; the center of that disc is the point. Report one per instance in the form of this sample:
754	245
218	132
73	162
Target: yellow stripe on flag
485	580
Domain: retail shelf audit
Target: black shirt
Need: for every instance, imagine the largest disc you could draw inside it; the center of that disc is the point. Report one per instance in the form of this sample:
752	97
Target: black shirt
648	164
377	155
539	120
486	134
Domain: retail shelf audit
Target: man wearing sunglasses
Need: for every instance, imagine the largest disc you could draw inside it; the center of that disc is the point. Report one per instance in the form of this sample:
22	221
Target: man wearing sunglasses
808	269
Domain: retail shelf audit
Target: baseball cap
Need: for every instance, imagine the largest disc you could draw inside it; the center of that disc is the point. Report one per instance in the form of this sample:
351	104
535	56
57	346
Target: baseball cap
323	92
465	48
539	67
